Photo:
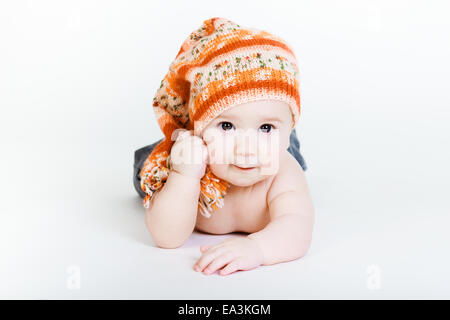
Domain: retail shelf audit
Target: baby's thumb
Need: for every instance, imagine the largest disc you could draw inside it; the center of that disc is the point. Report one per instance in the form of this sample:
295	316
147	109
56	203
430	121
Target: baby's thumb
178	134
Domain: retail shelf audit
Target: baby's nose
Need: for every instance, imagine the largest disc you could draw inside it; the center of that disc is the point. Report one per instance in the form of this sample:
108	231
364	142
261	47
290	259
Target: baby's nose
246	145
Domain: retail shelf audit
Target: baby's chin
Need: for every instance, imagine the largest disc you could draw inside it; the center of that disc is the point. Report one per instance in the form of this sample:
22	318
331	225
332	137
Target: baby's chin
236	176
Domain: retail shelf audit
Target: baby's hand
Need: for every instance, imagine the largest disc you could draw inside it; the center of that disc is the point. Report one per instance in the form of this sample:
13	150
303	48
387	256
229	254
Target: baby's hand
232	254
189	154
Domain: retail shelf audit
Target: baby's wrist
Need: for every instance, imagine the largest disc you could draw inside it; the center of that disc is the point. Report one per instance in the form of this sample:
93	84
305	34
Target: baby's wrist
185	176
260	250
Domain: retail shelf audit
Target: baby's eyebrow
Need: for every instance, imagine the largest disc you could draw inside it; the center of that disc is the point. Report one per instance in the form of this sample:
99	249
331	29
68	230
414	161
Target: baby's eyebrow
229	117
233	117
272	119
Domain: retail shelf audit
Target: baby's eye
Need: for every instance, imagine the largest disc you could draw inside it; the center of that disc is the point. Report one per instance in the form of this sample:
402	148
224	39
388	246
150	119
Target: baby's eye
266	128
226	125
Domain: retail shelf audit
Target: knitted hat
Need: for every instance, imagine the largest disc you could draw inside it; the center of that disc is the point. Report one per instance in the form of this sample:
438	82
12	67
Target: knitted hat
219	65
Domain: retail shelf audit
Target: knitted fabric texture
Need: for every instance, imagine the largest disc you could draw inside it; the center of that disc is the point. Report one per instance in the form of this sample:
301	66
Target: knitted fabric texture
219	65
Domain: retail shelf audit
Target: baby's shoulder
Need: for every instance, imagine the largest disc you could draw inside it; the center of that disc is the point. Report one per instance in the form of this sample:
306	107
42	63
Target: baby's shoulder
290	177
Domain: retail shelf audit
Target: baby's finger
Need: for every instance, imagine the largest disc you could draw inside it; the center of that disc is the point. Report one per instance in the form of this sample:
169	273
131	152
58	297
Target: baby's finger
206	259
179	134
236	264
213	246
219	262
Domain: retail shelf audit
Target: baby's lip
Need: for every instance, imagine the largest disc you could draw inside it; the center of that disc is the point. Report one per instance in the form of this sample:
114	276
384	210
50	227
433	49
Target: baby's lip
244	167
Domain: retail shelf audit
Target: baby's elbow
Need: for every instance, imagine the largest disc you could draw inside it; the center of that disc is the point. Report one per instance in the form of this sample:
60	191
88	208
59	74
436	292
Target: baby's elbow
304	246
304	251
164	232
168	245
166	241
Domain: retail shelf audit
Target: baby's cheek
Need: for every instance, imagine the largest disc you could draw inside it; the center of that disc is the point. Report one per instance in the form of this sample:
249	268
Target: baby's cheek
220	148
269	159
267	150
220	171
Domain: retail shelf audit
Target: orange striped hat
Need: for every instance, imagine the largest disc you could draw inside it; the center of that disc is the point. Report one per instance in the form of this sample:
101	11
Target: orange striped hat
219	65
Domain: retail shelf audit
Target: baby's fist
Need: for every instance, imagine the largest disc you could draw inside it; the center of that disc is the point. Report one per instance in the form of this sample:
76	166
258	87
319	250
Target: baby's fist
189	154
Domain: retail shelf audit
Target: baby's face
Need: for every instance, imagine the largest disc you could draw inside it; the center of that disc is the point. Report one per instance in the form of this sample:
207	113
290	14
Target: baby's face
246	141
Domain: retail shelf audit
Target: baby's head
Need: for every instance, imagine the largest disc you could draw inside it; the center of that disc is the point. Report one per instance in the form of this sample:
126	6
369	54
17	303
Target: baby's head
246	141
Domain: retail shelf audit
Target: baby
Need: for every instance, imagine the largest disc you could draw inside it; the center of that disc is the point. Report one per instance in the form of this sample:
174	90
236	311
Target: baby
227	108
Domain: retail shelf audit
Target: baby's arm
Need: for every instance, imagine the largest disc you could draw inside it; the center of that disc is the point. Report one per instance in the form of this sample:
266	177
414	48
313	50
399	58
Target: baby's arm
289	233
172	213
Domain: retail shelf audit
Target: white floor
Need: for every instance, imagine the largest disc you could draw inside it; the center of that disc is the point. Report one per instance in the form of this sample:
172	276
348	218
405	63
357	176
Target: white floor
374	135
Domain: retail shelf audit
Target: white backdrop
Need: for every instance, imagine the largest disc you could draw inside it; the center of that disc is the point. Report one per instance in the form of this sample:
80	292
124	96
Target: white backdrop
77	79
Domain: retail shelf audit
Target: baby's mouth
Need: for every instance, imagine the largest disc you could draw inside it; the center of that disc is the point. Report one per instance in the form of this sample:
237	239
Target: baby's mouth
244	168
